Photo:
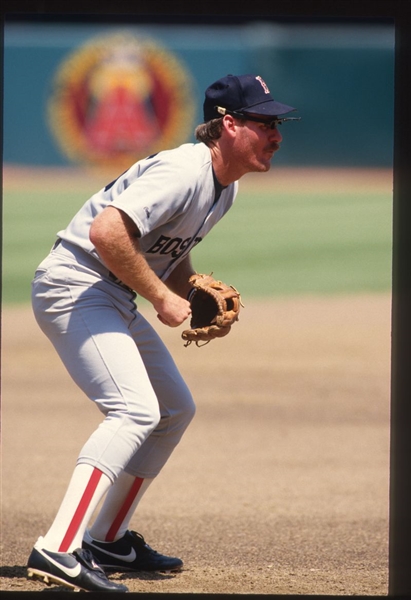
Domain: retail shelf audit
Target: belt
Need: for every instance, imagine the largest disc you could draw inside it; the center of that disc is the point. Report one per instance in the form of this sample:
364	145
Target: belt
119	282
110	274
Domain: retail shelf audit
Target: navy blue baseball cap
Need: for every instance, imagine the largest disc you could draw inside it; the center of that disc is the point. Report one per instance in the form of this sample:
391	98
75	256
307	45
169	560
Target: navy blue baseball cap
239	95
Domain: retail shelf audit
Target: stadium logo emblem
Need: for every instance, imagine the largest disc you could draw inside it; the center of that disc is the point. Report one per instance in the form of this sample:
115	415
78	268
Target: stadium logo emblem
118	99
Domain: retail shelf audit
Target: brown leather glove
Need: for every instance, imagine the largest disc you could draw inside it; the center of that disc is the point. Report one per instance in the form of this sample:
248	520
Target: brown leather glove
215	306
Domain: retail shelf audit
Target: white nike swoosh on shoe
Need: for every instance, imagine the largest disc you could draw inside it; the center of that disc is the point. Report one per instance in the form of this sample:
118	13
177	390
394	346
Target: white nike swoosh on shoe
69	571
130	557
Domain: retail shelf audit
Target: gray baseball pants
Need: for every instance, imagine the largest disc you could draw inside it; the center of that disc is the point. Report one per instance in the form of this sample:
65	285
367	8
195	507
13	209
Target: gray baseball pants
117	359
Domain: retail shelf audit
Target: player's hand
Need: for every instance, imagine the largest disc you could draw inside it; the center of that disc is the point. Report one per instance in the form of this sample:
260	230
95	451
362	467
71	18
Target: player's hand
172	310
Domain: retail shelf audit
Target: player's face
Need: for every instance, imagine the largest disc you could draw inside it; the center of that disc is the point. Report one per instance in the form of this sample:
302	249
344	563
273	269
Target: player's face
257	144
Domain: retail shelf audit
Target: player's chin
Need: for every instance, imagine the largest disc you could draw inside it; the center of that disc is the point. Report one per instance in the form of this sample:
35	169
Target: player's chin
261	164
264	165
265	161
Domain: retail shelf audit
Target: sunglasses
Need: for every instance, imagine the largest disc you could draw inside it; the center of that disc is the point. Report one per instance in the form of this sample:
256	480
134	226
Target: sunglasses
272	124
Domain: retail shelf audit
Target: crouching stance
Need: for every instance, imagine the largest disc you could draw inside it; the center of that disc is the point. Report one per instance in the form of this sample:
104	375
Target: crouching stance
133	238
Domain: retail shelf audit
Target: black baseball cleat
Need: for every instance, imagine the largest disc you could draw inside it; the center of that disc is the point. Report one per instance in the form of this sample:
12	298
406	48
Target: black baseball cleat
130	553
77	570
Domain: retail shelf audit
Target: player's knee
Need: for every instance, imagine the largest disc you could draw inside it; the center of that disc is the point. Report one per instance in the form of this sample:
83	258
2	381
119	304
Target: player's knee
149	418
189	411
180	418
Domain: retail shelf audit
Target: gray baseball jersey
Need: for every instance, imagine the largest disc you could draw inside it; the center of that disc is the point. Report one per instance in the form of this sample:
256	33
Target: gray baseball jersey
170	196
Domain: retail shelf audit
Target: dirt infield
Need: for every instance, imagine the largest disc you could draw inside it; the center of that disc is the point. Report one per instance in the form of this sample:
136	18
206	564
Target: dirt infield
280	485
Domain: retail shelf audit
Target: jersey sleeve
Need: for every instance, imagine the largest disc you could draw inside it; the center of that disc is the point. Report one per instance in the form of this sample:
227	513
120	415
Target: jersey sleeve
160	193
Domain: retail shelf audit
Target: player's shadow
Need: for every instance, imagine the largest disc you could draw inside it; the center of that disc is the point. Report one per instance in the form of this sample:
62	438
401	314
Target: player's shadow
147	575
15	572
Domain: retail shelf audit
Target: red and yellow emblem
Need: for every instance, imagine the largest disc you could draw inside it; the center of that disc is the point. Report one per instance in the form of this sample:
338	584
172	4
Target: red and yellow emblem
118	99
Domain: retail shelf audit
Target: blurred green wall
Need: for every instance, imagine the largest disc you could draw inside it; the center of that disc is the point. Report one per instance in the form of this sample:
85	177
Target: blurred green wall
341	79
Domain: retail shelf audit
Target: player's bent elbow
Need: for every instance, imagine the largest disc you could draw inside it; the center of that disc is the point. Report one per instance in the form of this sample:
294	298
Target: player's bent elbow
101	230
112	225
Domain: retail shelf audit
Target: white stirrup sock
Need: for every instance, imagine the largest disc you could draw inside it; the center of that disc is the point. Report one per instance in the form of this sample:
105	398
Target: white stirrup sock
85	490
118	507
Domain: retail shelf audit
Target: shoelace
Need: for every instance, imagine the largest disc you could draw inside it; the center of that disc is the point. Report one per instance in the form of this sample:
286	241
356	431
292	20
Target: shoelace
142	541
86	558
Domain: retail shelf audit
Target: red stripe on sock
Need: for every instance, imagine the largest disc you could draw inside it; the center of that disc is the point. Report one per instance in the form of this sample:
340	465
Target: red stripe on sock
121	515
81	510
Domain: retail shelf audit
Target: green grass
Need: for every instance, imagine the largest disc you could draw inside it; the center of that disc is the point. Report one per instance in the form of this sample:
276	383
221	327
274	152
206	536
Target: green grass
268	244
289	244
30	223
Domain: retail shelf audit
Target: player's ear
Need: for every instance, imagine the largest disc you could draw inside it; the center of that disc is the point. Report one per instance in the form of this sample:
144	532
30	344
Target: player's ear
229	124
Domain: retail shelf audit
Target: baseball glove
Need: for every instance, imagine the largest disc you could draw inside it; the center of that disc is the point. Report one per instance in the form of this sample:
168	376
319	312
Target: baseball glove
215	306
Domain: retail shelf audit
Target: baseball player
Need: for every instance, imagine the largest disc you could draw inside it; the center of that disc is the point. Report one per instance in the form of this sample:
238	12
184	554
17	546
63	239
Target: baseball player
134	237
